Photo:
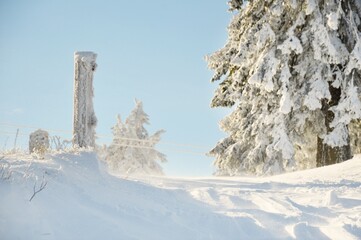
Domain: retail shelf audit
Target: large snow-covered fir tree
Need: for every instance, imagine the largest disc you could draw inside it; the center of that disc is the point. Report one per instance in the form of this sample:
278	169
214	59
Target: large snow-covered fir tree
132	151
291	70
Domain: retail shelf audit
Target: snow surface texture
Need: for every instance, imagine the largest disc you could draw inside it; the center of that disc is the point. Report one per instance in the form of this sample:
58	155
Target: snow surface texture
82	201
85	120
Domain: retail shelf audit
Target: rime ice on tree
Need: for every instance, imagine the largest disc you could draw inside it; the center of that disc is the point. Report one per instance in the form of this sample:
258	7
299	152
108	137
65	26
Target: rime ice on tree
84	116
133	150
292	71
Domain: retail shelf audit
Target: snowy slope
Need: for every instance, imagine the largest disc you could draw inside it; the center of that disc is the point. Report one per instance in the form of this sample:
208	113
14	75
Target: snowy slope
82	201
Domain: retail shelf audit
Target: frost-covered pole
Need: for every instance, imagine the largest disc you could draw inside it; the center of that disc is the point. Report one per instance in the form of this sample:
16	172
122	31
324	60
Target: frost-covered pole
84	117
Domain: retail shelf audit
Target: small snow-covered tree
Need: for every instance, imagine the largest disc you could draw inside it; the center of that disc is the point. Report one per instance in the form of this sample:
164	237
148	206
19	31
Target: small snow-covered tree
292	71
133	150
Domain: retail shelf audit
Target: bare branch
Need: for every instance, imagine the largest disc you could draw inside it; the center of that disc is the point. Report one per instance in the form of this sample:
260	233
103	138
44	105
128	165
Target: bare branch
36	191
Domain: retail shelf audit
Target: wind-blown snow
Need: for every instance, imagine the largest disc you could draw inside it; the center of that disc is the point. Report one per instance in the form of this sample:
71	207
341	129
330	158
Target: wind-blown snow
82	201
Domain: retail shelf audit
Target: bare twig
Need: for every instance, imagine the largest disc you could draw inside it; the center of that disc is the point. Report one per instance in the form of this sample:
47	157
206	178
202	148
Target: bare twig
42	186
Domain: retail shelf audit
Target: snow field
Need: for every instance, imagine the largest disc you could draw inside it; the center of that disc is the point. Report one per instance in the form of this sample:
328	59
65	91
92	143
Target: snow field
82	201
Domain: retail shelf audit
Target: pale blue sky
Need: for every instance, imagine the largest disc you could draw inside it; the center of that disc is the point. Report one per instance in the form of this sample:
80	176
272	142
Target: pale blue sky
150	50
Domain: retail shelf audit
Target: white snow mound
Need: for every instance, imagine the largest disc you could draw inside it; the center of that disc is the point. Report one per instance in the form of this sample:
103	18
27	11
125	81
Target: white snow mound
80	200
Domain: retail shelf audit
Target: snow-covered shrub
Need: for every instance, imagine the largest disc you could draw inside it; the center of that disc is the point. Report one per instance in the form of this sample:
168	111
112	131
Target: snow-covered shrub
39	142
5	171
132	151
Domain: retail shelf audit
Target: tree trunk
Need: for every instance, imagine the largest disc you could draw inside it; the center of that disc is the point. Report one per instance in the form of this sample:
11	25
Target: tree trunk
327	155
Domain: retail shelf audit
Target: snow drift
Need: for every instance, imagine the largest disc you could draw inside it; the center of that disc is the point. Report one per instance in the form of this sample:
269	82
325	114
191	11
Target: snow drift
82	201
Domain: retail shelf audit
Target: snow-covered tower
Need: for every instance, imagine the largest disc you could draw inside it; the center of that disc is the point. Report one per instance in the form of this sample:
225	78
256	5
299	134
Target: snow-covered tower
84	117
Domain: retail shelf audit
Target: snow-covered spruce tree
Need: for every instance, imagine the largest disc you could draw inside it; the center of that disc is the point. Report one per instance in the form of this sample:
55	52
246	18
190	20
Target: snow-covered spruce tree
132	151
292	70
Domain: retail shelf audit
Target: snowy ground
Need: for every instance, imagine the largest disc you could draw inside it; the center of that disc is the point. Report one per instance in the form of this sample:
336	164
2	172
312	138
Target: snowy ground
81	201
